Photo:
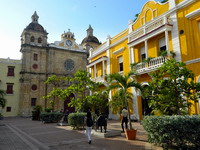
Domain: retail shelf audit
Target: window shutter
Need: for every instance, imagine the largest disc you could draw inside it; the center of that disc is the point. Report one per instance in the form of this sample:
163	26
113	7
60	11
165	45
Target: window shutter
162	44
9	89
10	71
120	63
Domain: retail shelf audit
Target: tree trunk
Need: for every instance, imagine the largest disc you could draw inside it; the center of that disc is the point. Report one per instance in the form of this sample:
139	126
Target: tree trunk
129	115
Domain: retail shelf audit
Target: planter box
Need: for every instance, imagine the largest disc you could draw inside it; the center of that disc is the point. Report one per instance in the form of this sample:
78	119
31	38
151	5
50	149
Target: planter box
131	134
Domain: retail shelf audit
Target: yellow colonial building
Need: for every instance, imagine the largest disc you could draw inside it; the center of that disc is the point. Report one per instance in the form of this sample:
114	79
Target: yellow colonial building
170	26
10	75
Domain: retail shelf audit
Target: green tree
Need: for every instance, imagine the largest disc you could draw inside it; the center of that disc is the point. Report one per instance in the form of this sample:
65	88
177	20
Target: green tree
99	98
80	85
2	99
118	102
136	16
123	83
172	88
56	82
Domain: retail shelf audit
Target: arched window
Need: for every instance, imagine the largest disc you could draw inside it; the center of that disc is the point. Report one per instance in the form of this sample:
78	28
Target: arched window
32	39
39	40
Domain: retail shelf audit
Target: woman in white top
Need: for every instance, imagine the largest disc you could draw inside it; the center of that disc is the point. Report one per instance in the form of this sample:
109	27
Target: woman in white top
124	119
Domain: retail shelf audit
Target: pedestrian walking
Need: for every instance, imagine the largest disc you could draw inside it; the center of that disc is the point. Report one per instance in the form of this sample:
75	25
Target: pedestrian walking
89	124
124	118
101	122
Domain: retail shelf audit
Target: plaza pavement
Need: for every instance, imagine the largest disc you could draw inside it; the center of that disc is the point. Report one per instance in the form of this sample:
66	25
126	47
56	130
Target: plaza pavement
18	133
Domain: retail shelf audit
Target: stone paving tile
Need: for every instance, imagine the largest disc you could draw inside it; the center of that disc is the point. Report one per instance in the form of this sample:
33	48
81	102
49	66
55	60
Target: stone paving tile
10	141
50	136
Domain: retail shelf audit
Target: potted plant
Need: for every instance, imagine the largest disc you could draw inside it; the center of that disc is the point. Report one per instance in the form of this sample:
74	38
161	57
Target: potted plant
124	83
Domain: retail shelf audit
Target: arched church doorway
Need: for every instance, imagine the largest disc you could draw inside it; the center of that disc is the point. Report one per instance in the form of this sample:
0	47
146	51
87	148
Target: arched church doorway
198	81
67	108
146	110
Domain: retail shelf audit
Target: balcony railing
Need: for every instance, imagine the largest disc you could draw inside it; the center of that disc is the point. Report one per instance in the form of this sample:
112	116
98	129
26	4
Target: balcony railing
153	64
99	79
99	49
149	27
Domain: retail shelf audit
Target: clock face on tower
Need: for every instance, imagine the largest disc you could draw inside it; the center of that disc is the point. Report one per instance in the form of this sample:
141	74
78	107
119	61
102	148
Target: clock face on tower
69	43
69	65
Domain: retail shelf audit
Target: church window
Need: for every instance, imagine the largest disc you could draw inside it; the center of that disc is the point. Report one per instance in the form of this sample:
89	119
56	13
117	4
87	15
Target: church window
162	44
35	66
34	87
69	65
9	88
8	109
120	63
33	101
39	40
35	57
11	71
32	39
142	53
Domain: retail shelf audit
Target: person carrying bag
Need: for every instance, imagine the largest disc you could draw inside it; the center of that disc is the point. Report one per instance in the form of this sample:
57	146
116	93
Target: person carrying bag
89	124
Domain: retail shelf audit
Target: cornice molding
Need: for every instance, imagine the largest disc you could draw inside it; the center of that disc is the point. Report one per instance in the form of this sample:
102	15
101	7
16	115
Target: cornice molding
193	14
193	61
184	3
151	34
97	61
120	41
119	50
170	11
43	73
10	61
110	46
119	34
177	7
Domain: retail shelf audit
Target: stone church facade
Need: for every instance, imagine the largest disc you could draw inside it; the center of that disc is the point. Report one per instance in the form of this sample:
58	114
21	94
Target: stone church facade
41	60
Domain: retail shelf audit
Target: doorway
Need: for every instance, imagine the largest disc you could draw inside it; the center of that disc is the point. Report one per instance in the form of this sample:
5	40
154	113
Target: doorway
68	109
146	110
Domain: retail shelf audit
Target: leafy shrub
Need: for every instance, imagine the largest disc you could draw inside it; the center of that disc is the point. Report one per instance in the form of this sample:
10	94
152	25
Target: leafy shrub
36	112
35	115
173	132
38	108
51	117
76	120
1	116
48	109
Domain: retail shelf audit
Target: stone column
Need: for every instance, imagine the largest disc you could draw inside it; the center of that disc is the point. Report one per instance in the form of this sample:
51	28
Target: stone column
103	67
167	41
95	71
146	48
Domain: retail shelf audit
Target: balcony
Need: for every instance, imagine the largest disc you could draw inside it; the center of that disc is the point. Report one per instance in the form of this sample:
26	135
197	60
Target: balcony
99	50
154	27
99	79
153	64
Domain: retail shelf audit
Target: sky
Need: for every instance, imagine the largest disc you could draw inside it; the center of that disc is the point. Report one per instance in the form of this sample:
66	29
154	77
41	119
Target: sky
107	17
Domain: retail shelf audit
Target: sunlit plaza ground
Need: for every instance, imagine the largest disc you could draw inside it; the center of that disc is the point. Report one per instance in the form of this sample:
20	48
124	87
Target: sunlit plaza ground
24	134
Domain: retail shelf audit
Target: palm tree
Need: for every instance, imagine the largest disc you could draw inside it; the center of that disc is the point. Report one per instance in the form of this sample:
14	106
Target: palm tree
117	101
124	83
2	99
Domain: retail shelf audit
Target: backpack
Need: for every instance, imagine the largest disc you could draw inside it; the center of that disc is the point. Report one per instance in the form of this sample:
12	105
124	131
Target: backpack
90	122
